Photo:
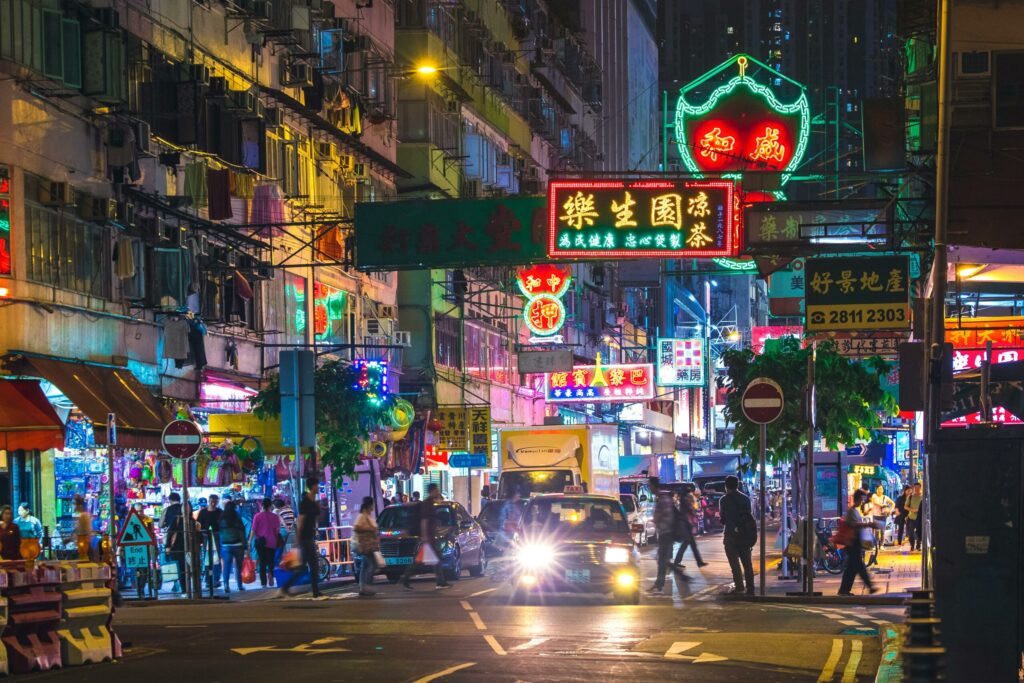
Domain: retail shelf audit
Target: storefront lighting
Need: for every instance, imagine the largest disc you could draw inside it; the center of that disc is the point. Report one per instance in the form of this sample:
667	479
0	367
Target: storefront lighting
969	271
426	69
4	292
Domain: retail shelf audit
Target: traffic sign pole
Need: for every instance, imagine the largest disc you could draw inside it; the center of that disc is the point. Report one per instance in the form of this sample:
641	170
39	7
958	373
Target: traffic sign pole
762	403
764	466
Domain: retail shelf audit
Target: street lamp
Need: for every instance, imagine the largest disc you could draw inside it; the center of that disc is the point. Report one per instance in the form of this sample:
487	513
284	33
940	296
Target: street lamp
426	69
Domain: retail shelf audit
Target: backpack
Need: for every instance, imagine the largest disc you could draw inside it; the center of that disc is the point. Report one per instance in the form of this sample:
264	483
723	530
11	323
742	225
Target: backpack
747	529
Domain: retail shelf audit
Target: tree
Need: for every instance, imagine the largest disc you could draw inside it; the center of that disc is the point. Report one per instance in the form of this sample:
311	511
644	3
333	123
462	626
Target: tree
349	406
850	398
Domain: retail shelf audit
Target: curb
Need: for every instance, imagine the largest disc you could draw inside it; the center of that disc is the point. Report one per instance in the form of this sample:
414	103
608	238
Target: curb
226	600
820	599
890	665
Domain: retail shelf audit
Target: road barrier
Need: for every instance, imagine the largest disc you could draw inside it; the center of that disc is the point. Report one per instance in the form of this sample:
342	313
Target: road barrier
34	613
85	613
923	656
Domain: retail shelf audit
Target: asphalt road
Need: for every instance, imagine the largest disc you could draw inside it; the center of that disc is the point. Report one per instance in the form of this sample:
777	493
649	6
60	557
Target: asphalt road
473	633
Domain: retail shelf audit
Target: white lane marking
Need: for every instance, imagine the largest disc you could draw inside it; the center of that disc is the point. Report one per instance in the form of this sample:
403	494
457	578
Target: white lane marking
466	606
526	646
444	672
495	645
850	622
829	669
831	616
483	592
477	621
850	673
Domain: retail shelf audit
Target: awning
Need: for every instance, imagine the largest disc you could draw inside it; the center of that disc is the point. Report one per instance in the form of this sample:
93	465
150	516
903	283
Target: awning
99	390
237	426
27	420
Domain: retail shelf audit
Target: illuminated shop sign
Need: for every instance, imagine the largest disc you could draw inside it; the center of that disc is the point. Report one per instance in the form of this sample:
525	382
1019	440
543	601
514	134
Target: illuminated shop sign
328	308
641	219
681	362
601	383
5	221
372	379
544	286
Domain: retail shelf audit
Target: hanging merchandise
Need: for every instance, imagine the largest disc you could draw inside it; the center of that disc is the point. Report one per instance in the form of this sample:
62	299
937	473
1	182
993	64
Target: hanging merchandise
402	414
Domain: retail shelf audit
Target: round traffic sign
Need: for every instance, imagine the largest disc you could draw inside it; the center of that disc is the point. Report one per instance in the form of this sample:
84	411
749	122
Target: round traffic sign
762	401
182	438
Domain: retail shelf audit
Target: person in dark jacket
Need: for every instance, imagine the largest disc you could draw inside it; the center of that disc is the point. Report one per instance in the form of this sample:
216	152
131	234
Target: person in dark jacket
665	524
10	535
732	508
232	543
900	519
685	524
427	531
173	525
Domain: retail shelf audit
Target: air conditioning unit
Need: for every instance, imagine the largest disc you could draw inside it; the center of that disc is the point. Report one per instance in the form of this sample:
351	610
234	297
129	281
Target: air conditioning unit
296	74
453	106
272	117
98	210
241	100
325	151
359	170
218	86
143	139
386	311
471	189
265	272
402	338
57	194
347	163
374	327
200	73
263	9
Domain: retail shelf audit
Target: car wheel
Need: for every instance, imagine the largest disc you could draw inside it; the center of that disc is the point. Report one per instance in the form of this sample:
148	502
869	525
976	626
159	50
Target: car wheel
393	577
481	567
631	598
454	573
323	569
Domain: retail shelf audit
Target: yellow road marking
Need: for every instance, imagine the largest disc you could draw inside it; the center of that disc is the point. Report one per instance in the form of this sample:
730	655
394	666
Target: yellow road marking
477	621
495	645
466	606
444	672
829	669
483	592
850	673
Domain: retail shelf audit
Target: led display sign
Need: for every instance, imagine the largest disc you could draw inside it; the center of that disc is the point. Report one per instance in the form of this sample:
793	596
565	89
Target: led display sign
543	286
601	383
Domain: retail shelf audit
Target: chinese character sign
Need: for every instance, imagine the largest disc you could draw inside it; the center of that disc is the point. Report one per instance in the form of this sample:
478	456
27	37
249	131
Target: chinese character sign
1001	332
861	293
5	221
971	359
454	434
543	286
761	335
641	219
479	420
601	383
328	308
681	362
743	124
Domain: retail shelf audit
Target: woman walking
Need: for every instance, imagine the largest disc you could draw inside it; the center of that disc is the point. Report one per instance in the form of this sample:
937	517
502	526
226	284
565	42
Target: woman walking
685	524
856	522
265	536
232	541
367	543
10	535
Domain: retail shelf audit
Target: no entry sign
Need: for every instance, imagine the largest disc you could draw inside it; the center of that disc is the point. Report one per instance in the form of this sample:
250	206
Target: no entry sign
182	438
762	401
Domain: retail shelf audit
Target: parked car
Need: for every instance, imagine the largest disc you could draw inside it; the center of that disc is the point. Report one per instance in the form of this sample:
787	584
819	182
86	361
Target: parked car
459	536
496	540
640	516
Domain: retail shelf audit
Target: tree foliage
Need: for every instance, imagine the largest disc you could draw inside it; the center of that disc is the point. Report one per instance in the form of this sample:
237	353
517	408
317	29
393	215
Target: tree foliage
346	414
850	398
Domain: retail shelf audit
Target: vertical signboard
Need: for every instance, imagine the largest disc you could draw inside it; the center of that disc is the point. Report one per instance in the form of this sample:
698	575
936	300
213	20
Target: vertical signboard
479	421
681	362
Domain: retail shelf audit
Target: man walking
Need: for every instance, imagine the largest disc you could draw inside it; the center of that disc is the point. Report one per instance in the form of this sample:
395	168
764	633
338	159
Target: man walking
901	515
309	516
428	528
684	532
734	509
209	527
881	508
665	525
914	502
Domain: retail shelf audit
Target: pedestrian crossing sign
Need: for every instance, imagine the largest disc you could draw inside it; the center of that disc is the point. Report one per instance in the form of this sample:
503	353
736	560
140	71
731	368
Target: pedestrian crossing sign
135	531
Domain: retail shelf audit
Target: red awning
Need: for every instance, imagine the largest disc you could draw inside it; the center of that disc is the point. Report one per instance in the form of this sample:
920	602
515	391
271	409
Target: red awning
27	420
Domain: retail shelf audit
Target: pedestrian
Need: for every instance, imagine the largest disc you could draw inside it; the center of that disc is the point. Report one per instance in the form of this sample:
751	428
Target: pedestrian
232	543
416	497
173	525
685	523
209	531
10	535
427	531
28	525
901	515
734	510
265	536
881	509
286	513
914	503
83	528
306	526
664	525
856	521
405	498
367	537
511	516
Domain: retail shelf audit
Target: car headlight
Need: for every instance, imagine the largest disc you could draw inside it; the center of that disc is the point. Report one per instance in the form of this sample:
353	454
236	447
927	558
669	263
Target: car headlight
616	555
536	556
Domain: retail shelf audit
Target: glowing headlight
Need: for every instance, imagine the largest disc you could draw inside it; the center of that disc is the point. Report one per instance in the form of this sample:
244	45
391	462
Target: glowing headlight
536	556
614	555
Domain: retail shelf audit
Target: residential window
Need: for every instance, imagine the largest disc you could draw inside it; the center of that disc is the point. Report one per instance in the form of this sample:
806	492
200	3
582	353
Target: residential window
1009	89
66	252
446	342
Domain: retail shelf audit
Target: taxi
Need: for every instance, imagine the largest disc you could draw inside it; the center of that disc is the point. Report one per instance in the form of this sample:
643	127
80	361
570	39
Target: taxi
575	543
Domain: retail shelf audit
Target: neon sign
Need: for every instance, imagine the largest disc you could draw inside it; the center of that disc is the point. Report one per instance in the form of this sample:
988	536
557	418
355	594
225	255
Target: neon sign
328	308
641	219
5	221
742	125
601	383
543	286
681	362
372	379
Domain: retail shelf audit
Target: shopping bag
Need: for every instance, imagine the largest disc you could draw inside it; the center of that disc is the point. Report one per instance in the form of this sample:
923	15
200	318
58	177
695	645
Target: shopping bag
378	558
248	570
426	555
291	560
844	534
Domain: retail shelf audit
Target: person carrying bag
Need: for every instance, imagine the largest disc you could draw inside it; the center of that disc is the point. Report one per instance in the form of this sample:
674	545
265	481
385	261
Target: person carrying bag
367	538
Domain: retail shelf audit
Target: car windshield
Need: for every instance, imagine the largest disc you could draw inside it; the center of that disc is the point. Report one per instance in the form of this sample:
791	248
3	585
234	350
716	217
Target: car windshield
575	517
627	502
401	517
533	482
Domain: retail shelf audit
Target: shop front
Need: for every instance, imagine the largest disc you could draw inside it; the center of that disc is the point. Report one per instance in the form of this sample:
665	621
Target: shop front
30	429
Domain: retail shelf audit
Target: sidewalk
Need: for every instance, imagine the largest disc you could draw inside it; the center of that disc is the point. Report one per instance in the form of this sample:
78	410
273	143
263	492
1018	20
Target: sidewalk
897	571
253	592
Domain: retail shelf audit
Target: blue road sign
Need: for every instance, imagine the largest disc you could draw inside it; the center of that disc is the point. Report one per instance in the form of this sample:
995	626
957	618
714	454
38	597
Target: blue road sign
474	461
856	450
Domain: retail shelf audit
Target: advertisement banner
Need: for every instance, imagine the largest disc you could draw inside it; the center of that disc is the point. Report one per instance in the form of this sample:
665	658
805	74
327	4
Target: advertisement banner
681	362
601	384
857	293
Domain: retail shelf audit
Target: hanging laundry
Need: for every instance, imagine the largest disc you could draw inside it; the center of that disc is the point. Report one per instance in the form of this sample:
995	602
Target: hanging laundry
267	206
242	185
219	194
196	343
125	257
121	152
195	184
176	338
243	290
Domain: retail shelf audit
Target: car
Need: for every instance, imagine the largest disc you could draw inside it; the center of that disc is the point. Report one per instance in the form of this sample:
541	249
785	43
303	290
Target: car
491	520
459	536
639	514
575	543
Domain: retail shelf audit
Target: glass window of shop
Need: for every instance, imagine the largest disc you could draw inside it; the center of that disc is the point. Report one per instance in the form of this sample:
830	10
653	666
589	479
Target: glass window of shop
19	479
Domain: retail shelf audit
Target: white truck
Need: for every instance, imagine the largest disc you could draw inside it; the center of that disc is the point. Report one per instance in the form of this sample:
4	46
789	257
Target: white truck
550	458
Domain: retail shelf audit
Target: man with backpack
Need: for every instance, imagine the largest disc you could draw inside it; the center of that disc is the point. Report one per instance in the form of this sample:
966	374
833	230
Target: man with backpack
740	535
